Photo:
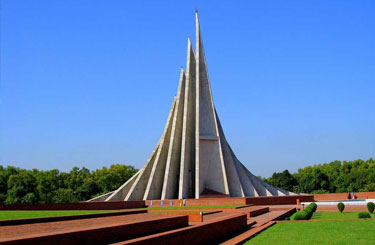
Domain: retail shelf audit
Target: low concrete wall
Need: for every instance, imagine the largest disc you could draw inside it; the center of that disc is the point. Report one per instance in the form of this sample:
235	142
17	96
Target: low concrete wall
259	211
211	232
279	200
193	216
343	196
272	200
201	202
76	206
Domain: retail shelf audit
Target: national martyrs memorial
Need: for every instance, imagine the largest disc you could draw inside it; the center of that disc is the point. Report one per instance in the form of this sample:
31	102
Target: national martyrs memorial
192	157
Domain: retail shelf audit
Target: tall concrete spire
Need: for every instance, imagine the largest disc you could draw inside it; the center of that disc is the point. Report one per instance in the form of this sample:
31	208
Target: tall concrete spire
192	157
209	165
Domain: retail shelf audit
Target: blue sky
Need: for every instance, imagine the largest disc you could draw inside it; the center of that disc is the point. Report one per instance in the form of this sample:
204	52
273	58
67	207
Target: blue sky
90	83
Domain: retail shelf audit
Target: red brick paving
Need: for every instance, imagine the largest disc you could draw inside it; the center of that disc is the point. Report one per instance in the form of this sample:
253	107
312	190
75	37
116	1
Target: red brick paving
267	217
240	239
74	231
85	230
67	217
210	232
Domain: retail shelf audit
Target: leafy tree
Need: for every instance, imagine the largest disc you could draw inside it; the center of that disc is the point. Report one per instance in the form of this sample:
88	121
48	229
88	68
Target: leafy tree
283	180
333	177
21	188
64	195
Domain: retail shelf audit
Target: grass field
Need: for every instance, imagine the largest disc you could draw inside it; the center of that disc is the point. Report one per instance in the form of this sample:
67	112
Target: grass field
50	213
330	232
336	215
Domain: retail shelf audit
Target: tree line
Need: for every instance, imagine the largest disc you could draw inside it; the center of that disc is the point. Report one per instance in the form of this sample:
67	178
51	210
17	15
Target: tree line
333	177
52	186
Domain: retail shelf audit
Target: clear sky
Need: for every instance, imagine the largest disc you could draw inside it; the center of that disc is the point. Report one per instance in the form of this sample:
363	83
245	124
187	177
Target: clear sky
90	83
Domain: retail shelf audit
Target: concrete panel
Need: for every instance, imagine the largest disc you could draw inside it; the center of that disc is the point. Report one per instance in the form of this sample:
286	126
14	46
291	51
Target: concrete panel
138	189
101	197
257	183
122	191
247	186
275	191
155	181
172	171
187	168
210	168
234	184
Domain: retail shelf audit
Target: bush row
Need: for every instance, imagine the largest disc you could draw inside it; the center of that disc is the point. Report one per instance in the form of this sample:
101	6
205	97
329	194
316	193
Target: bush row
307	213
364	215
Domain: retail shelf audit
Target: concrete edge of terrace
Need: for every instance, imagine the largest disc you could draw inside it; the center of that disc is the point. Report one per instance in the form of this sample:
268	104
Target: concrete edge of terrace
192	157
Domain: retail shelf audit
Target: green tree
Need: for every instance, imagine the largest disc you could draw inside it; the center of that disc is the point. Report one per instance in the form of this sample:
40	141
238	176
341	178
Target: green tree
64	196
21	188
283	180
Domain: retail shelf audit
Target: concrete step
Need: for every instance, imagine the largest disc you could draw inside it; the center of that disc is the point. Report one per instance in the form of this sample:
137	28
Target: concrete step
253	211
210	232
270	216
241	238
91	231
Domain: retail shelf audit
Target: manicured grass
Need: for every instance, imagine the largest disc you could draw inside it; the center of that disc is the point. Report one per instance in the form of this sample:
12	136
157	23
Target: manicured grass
50	213
336	215
330	232
196	207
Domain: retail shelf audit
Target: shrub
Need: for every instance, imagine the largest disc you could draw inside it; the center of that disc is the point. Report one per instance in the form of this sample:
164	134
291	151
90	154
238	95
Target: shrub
371	207
301	215
307	213
314	206
364	215
340	207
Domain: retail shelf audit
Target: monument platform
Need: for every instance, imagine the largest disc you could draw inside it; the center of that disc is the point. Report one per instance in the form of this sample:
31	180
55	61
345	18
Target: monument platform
91	231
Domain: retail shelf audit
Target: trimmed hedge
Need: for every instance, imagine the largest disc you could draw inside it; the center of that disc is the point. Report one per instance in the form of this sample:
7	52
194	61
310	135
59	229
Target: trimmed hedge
364	215
371	207
340	207
307	213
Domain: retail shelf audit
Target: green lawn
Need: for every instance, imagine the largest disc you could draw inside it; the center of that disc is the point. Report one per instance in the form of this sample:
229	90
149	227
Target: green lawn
50	213
330	232
336	215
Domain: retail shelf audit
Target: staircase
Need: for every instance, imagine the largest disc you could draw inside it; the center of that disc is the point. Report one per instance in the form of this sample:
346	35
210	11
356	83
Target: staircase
258	222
